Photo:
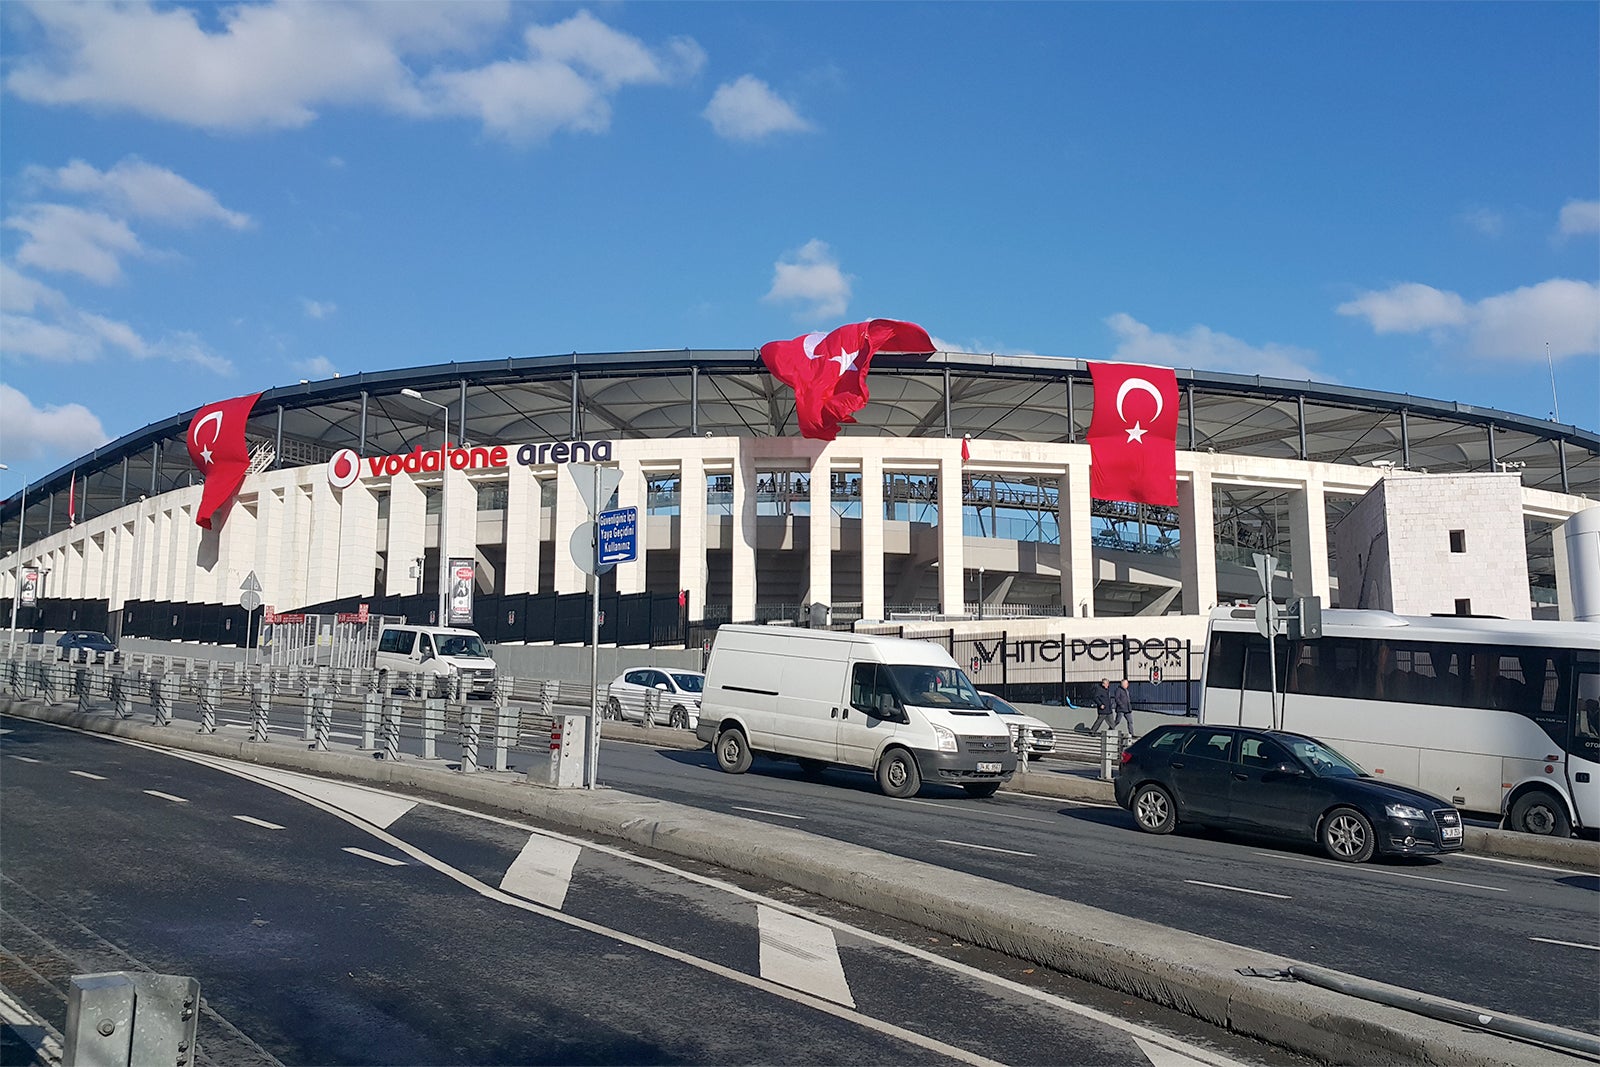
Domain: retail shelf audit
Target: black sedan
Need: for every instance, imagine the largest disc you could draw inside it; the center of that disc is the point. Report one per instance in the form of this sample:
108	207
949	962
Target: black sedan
1279	784
90	645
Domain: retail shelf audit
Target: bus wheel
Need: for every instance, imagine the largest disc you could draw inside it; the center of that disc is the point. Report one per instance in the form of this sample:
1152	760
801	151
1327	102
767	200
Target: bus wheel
1540	812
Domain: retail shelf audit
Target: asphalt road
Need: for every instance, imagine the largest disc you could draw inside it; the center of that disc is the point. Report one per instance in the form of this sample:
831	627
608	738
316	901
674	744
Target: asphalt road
330	923
1510	936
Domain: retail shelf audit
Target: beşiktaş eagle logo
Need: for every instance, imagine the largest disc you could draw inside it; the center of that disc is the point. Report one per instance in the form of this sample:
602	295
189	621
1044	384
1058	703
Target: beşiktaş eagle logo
344	467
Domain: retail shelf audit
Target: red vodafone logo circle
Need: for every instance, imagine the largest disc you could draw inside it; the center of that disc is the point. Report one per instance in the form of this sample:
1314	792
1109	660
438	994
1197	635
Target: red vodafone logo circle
344	467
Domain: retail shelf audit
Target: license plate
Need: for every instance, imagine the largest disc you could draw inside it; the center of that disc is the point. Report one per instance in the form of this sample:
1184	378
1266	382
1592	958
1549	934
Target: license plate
1450	833
988	768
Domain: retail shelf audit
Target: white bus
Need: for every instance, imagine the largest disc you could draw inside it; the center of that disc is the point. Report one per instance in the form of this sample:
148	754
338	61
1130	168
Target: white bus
1497	716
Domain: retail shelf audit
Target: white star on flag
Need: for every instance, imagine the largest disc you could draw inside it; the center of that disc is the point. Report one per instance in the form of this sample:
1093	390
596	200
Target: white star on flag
846	361
205	456
1136	433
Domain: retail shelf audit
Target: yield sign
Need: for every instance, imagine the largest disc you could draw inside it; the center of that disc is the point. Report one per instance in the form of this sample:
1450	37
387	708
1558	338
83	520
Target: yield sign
251	583
584	474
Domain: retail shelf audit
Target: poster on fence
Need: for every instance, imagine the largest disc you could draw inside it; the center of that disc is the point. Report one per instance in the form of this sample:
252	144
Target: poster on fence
463	576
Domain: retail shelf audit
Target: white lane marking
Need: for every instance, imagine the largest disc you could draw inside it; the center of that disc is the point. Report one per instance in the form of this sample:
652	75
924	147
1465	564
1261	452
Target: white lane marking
5	730
986	848
1138	1031
1163	1056
35	1032
24	759
1518	863
378	808
542	871
1568	944
91	777
253	821
802	955
167	796
774	814
987	810
364	854
1380	870
1238	889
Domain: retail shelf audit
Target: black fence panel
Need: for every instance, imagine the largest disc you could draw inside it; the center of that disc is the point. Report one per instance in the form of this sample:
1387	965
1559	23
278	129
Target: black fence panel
571	619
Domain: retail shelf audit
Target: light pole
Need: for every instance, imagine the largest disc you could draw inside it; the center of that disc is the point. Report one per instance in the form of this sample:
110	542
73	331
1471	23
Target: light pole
444	511
16	586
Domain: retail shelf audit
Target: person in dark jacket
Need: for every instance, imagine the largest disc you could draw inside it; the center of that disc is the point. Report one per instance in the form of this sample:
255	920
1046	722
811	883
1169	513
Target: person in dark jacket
1103	707
1122	708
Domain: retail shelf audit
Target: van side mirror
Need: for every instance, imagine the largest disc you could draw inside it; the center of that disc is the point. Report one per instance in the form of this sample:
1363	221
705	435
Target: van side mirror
426	656
888	708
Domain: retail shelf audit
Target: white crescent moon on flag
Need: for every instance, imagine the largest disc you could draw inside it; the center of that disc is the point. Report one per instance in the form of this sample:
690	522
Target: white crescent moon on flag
217	417
810	344
1138	383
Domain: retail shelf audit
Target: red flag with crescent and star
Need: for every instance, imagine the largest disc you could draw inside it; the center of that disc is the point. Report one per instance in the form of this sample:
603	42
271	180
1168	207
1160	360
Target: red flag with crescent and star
1133	437
216	444
828	372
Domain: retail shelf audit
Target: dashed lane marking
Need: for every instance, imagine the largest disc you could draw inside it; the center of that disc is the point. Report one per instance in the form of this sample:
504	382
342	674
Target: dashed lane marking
774	814
253	821
987	848
91	777
1239	889
802	955
987	810
167	796
364	854
1568	944
542	871
24	759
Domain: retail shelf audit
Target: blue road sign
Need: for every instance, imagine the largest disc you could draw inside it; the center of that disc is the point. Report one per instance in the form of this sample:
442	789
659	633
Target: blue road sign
619	535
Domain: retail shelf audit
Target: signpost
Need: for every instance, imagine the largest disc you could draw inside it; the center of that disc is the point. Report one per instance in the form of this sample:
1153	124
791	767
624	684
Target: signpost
595	484
1267	618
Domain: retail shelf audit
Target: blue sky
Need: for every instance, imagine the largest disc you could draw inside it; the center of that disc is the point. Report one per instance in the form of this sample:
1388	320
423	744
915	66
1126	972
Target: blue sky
205	201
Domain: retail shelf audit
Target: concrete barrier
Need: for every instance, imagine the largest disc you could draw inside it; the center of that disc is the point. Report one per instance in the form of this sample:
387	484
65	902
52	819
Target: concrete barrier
1197	975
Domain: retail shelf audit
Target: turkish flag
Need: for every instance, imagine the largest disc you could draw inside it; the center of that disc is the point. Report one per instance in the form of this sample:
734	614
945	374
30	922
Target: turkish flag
1133	437
828	372
216	444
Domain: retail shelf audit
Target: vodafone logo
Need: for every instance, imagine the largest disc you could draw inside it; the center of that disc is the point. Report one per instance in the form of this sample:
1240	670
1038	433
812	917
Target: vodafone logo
344	467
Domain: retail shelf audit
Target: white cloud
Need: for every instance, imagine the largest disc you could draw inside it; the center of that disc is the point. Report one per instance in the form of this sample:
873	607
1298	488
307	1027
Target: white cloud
33	433
73	241
20	293
1206	349
318	309
1489	223
142	190
1580	216
275	65
316	368
1515	325
747	110
811	277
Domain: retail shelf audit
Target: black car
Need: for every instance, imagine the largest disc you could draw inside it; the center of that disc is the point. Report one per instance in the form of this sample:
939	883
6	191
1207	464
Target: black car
1281	784
91	645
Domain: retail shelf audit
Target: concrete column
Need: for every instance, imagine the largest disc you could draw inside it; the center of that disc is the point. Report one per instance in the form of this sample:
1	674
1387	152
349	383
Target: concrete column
952	546
522	530
270	533
1308	540
1077	546
743	542
357	511
320	514
408	522
236	551
631	494
461	529
1198	543
692	534
145	546
821	534
120	548
872	537
94	566
571	511
182	580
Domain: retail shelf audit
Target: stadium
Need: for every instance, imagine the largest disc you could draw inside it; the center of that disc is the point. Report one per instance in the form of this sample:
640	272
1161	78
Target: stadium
741	518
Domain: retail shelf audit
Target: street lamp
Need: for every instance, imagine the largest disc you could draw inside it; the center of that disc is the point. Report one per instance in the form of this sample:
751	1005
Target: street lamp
16	586
444	511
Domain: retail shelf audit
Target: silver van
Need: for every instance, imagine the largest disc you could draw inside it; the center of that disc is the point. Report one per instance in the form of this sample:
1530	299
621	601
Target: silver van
437	651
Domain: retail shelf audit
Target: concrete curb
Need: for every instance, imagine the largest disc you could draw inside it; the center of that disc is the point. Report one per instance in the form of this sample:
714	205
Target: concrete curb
1187	972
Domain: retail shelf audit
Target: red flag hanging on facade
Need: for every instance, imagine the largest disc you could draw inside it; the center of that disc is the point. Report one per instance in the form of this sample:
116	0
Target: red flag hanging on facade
966	447
828	372
1133	437
217	446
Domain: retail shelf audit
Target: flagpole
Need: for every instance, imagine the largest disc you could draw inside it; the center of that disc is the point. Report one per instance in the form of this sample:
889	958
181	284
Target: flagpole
1555	403
16	586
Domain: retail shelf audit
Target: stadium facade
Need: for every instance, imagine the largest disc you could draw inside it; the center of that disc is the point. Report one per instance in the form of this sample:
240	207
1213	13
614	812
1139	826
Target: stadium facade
747	521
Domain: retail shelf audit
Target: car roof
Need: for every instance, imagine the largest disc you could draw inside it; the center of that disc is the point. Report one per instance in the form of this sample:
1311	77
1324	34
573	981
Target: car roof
1265	731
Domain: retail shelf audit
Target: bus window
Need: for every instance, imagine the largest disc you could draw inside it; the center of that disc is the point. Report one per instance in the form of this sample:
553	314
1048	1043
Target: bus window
1225	660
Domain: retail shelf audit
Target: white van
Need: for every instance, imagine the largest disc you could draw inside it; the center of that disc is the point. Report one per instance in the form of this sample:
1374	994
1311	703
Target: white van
903	709
438	651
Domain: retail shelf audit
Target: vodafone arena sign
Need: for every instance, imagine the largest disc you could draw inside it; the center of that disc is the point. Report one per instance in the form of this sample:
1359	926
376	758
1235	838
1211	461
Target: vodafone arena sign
345	465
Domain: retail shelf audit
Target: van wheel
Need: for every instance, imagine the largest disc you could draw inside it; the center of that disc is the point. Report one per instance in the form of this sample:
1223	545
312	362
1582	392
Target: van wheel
898	776
1539	812
733	751
981	789
383	681
1347	836
679	720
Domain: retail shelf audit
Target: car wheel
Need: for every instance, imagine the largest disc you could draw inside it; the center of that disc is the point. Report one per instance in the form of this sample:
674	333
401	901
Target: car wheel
898	776
1153	810
1348	836
1539	812
383	681
733	751
811	768
613	709
680	719
981	789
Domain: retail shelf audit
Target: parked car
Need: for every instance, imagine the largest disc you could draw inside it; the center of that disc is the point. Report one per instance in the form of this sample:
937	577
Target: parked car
1041	737
1280	784
677	696
92	645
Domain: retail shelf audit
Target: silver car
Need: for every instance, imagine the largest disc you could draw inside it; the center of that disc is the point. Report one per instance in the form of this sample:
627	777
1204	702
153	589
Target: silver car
1041	738
656	696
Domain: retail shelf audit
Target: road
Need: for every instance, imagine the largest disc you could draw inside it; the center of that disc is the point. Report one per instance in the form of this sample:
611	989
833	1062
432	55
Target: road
1511	936
330	923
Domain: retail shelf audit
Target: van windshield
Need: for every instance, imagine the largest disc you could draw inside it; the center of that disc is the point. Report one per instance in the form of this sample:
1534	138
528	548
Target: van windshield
935	687
460	645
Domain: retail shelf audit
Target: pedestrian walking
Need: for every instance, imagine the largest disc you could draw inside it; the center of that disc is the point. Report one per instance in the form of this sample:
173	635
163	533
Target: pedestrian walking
1103	707
1122	708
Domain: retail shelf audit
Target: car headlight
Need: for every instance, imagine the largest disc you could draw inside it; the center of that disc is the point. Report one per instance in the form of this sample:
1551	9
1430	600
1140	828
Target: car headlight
946	738
1404	811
